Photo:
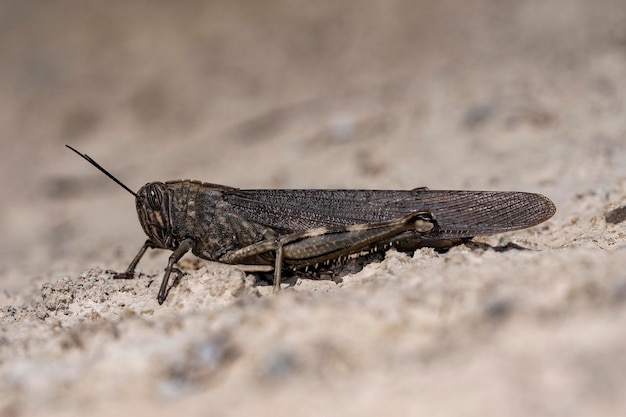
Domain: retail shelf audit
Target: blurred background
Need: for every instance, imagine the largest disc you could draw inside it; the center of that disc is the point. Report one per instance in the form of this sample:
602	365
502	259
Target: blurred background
481	94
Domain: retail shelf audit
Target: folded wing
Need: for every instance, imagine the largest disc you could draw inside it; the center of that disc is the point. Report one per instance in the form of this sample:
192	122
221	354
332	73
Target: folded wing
458	213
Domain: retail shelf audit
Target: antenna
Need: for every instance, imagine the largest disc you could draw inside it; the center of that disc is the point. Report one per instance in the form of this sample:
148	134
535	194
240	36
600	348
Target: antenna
107	173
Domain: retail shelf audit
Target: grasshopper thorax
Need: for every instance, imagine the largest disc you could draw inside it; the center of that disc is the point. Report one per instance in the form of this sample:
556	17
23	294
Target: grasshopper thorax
153	209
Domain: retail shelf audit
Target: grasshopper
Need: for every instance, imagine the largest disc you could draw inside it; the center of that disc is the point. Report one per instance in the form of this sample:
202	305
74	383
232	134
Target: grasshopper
297	229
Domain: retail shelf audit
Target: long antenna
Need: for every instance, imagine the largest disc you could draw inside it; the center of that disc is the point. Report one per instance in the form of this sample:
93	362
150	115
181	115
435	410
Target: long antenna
107	173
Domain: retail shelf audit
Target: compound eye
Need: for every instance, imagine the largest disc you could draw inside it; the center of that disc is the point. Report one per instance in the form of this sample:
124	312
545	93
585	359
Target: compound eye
155	197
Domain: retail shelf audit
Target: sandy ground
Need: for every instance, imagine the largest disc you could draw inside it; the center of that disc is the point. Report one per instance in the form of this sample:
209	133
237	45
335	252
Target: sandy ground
454	94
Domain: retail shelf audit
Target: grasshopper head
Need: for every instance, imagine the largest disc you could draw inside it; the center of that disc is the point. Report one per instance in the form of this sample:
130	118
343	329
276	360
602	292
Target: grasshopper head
153	209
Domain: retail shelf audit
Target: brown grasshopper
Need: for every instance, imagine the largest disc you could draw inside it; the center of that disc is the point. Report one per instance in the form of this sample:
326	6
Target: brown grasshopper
296	229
